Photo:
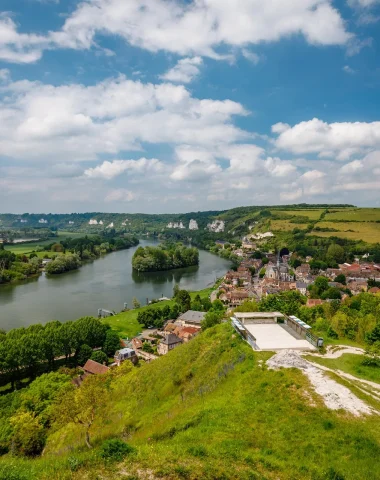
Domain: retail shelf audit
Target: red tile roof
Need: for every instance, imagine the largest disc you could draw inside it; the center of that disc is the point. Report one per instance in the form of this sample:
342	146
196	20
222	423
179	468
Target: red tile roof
94	367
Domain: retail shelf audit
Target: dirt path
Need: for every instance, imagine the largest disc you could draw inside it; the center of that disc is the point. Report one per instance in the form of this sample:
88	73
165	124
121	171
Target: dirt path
336	351
335	395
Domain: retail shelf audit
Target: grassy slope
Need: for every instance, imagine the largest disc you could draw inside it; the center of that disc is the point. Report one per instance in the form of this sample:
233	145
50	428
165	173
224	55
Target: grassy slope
367	231
350	363
211	410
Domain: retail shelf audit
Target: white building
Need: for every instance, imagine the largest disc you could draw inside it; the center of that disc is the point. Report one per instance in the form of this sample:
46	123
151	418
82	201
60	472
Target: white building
93	222
42	220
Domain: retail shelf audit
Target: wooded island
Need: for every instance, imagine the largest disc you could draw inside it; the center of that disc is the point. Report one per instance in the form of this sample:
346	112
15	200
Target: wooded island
164	257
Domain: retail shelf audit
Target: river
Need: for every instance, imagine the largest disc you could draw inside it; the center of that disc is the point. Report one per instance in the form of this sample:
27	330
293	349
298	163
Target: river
107	283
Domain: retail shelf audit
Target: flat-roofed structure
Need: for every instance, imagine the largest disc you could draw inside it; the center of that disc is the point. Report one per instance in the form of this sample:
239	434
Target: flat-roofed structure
274	331
273	336
259	317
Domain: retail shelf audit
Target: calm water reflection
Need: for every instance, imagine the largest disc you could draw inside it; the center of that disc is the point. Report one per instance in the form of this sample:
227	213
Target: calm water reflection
105	283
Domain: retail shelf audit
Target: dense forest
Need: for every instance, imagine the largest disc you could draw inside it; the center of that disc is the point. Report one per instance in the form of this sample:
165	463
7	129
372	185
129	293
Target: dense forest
16	267
164	257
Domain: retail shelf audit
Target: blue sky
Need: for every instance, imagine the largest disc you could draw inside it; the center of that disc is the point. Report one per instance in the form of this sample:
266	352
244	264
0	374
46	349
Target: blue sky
173	106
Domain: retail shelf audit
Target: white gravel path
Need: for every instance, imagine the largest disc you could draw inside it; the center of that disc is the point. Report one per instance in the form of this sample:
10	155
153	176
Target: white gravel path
336	351
335	395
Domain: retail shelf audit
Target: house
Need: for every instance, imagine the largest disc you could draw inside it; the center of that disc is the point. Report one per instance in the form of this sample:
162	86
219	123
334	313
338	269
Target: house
94	368
248	245
186	333
303	270
168	343
191	318
125	354
301	287
170	327
136	343
313	302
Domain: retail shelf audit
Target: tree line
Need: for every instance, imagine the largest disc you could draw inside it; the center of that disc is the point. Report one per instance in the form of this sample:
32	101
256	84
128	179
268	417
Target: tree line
25	352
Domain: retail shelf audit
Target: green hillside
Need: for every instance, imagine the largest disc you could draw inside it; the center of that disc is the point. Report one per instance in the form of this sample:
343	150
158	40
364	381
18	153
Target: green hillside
211	409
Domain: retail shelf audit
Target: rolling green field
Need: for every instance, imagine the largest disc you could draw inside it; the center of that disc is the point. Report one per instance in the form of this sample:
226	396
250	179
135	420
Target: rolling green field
211	410
357	214
286	225
311	214
28	247
367	231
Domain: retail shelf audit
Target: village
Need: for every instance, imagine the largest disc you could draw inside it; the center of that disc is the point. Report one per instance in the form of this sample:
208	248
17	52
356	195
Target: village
253	279
256	278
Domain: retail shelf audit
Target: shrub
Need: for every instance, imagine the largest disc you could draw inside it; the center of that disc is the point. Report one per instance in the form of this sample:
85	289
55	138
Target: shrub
115	450
74	463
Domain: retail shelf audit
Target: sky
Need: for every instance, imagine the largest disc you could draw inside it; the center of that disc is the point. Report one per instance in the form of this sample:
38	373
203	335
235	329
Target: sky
161	106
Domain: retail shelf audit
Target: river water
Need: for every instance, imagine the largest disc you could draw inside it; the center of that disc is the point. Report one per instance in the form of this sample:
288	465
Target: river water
106	283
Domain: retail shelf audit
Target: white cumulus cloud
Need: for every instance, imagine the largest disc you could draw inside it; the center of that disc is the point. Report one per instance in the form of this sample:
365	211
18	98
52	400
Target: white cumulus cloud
185	70
186	28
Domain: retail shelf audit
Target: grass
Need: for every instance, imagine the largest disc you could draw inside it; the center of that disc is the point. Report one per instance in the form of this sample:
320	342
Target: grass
28	247
125	323
366	231
356	214
311	214
211	409
286	225
350	363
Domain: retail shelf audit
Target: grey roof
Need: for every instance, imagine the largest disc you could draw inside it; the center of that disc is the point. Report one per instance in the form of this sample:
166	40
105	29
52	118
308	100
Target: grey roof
124	351
171	339
192	316
301	285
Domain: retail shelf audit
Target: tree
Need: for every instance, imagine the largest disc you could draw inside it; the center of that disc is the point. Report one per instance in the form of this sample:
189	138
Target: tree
335	253
147	347
111	343
100	357
175	290
184	300
262	272
321	284
374	336
136	303
217	306
341	278
84	353
332	293
211	318
39	396
28	435
295	263
83	405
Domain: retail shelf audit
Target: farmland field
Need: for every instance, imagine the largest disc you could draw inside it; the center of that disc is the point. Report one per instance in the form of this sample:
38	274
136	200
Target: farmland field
28	247
286	226
356	214
309	213
369	232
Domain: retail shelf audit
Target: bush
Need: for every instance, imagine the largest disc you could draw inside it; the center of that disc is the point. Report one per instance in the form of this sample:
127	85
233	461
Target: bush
115	450
99	357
